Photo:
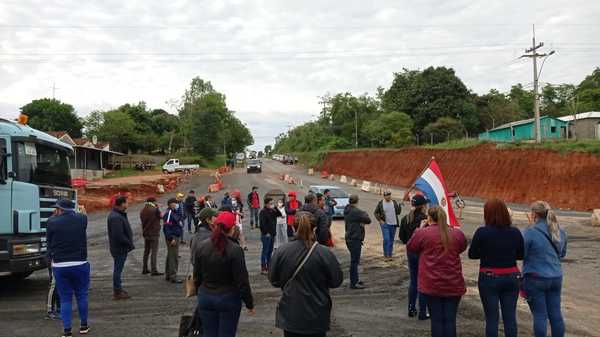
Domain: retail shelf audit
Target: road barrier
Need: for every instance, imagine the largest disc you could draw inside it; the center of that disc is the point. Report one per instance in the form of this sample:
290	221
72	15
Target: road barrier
311	172
354	183
343	180
324	174
596	218
331	177
160	188
366	186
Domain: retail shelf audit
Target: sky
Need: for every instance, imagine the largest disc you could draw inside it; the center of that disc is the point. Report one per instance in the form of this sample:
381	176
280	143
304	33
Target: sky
274	59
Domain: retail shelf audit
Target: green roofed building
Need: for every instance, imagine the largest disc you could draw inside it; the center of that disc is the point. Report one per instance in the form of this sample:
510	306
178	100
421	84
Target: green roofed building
552	128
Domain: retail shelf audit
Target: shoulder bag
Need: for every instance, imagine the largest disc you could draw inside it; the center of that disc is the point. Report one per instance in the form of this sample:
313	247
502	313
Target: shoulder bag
301	265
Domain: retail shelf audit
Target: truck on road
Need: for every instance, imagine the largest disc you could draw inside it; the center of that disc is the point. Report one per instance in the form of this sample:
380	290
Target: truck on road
173	165
34	174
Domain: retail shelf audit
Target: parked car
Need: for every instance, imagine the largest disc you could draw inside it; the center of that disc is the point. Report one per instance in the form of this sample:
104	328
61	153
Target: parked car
173	165
254	165
340	196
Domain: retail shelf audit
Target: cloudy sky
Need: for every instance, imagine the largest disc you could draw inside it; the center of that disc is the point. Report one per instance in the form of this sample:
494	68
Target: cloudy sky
274	58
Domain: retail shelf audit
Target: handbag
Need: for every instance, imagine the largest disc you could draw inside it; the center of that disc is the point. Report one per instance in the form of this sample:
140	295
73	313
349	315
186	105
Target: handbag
301	265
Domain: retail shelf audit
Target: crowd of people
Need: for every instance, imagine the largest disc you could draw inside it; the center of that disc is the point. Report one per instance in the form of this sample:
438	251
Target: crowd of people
298	258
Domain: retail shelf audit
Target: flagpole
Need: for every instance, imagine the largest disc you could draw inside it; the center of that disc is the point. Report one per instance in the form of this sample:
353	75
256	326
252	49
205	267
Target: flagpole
412	187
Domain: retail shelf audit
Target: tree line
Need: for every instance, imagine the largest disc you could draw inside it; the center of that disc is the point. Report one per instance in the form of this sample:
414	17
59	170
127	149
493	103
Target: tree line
204	125
431	105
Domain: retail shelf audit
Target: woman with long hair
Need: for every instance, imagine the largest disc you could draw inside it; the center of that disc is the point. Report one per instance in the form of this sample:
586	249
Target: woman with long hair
440	271
222	280
408	225
305	271
498	246
545	246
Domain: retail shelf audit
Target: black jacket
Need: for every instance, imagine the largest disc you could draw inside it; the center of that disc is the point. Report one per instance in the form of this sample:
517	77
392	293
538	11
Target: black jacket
268	220
355	220
305	304
407	227
322	230
120	236
189	204
380	212
219	274
67	239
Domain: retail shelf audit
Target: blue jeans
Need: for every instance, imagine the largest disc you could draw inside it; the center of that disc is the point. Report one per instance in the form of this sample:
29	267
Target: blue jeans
413	292
389	233
71	280
220	313
502	289
119	264
190	220
543	297
443	315
267	250
355	248
254	216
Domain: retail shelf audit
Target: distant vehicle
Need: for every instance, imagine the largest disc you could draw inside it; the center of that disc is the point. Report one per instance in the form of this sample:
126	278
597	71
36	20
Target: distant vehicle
252	155
340	196
254	165
288	160
260	154
276	157
34	174
173	165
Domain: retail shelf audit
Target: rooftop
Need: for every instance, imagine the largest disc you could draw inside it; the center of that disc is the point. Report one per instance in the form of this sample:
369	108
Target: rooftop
583	115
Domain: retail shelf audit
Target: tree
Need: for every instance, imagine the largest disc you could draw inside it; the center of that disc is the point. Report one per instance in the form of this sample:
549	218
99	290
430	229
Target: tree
494	109
588	92
48	114
119	129
555	99
392	129
268	149
207	116
92	123
445	129
522	100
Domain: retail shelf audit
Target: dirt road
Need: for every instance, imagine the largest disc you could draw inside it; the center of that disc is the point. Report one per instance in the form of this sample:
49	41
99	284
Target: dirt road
380	310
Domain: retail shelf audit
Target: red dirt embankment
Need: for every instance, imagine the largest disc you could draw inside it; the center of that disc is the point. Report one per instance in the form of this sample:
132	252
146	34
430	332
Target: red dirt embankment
570	181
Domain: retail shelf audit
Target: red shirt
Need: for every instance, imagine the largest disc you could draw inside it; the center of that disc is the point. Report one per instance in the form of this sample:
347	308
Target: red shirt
440	270
255	201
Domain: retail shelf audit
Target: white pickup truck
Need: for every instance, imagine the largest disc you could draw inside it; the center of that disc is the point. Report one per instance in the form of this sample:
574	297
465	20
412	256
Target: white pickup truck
172	165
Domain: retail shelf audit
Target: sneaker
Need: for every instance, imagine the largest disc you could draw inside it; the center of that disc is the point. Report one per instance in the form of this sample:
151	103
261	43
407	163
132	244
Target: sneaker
144	272
120	295
423	317
84	329
67	333
357	287
53	316
156	273
412	312
175	280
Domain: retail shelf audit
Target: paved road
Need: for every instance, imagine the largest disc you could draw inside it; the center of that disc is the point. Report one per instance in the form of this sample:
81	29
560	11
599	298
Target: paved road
379	310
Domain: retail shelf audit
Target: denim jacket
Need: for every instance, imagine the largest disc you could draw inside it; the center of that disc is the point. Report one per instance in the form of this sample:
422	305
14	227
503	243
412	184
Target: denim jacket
540	258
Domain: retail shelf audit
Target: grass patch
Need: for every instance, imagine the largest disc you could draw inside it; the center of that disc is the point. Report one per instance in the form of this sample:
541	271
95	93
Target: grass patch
192	159
563	146
311	159
456	144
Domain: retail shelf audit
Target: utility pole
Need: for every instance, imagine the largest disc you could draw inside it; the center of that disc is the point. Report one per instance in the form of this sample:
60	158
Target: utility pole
356	128
54	90
533	54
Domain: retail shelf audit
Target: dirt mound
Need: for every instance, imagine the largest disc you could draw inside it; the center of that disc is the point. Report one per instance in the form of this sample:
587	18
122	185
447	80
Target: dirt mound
570	181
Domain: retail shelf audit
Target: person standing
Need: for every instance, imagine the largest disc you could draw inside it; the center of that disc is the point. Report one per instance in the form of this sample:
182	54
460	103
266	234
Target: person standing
226	202
410	222
222	280
209	202
545	246
355	220
238	208
254	205
281	236
66	235
207	222
120	238
53	300
180	209
150	218
330	203
291	206
268	229
386	213
305	271
173	233
311	205
190	209
498	245
440	270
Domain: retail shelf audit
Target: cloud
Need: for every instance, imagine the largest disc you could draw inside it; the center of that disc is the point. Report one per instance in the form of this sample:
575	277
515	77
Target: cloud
273	58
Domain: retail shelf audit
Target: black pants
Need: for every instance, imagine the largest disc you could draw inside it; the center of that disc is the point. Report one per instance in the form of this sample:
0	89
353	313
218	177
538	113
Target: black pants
293	334
150	250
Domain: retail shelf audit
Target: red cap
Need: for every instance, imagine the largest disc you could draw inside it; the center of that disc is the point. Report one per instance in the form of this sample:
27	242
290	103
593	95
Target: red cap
292	194
227	219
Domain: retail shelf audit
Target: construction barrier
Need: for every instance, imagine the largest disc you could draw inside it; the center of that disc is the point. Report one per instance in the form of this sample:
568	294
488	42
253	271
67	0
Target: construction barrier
343	180
354	183
160	188
366	186
331	177
79	182
213	188
596	218
311	172
324	175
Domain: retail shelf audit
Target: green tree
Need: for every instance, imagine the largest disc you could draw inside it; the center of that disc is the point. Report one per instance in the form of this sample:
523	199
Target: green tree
268	149
555	99
48	114
207	115
522	100
92	123
392	129
495	109
119	129
444	129
588	92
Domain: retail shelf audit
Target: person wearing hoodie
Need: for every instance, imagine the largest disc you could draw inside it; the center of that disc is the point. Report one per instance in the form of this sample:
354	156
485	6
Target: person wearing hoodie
120	239
268	229
207	218
173	233
291	206
355	220
322	220
190	209
150	218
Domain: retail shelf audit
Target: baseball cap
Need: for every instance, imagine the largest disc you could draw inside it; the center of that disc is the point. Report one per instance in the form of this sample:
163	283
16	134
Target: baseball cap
227	219
65	205
387	193
207	213
418	200
180	195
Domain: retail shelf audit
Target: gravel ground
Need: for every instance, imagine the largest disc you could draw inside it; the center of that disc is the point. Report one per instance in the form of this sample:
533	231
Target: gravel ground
379	310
